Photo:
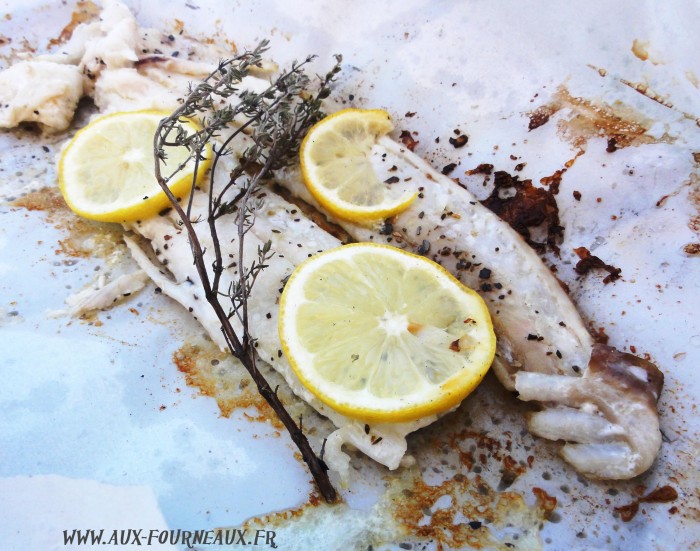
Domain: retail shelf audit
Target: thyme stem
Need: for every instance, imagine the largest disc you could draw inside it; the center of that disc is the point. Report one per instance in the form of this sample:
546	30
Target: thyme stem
275	120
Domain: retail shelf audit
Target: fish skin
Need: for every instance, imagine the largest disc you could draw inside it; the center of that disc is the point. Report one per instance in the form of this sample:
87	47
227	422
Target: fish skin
541	336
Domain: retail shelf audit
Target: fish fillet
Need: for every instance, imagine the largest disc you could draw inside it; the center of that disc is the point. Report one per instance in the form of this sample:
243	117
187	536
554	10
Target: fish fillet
294	238
601	401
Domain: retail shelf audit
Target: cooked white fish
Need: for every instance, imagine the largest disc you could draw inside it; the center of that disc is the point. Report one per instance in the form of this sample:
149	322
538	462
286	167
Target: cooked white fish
294	238
590	395
41	92
600	400
111	60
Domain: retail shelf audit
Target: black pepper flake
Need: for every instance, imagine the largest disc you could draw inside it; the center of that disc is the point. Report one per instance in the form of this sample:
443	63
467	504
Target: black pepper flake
576	368
474	524
558	354
45	148
532	337
391	180
484	273
498	285
421	214
459	141
279	353
447	169
562	324
577	195
268	315
366	429
376	440
387	228
486	287
424	247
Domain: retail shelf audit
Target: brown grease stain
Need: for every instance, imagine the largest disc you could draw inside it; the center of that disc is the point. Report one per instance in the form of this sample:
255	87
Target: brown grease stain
48	200
85	12
472	500
84	238
640	49
204	370
590	120
663	494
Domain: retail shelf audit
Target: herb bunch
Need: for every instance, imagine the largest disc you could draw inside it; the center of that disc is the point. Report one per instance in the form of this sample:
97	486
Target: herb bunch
274	120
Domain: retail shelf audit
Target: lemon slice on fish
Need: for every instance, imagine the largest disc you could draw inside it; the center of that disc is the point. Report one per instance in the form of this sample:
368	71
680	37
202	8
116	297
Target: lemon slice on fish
336	163
382	335
106	172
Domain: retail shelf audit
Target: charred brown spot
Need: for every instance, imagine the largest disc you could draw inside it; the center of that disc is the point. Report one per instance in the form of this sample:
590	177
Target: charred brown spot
447	169
407	139
539	117
483	168
590	262
526	207
459	141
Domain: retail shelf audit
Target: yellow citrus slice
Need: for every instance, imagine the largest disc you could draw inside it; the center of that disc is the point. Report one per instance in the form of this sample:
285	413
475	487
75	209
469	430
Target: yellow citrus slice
106	172
383	335
336	163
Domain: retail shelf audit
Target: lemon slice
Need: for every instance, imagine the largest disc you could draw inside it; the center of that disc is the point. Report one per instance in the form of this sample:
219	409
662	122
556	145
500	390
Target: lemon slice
383	335
106	172
337	167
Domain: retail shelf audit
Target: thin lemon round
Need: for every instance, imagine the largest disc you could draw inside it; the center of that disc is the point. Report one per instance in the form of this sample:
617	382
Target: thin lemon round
106	172
382	335
337	168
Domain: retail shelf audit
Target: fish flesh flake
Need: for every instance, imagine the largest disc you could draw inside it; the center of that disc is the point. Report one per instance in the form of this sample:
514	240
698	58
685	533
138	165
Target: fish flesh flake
600	401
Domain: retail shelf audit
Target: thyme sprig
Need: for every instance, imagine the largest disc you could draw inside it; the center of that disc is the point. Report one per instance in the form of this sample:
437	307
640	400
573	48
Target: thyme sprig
274	120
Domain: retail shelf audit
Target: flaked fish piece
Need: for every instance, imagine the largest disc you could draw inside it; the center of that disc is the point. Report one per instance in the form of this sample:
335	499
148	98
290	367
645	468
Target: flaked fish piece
604	416
102	293
39	91
110	42
544	348
294	238
110	60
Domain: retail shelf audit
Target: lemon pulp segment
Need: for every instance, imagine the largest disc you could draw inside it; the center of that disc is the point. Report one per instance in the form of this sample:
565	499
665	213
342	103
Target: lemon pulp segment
337	168
383	335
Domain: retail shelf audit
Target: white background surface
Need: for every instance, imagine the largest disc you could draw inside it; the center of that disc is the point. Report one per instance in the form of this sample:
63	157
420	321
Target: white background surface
81	405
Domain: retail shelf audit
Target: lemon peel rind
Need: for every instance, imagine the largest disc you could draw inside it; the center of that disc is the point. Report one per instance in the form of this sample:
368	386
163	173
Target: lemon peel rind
449	394
144	208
